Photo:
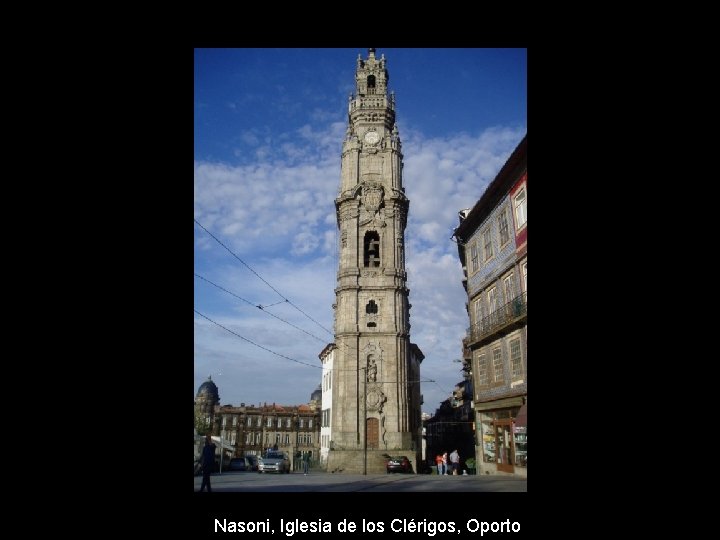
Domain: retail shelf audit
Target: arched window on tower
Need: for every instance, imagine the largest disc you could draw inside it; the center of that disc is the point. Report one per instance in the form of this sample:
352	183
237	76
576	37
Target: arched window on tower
371	84
372	250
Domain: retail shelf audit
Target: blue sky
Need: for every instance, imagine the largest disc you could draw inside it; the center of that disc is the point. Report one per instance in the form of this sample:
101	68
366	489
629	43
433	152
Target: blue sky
269	125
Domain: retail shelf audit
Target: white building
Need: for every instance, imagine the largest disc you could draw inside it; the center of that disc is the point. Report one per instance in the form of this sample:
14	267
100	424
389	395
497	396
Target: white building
326	357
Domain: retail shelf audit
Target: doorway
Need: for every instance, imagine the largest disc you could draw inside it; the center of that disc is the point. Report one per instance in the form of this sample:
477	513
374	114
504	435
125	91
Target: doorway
373	433
504	445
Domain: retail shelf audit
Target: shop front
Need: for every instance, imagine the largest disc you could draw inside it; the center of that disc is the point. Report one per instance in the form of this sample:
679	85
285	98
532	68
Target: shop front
502	428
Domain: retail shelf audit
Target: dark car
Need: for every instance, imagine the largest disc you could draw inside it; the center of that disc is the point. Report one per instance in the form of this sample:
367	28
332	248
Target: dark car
425	468
239	464
399	464
252	462
216	466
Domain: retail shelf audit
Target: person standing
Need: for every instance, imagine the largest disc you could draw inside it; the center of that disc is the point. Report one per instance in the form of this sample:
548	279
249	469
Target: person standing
439	462
306	463
455	461
445	463
208	463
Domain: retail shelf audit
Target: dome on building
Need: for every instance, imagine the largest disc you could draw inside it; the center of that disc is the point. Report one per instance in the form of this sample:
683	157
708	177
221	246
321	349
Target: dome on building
209	391
317	394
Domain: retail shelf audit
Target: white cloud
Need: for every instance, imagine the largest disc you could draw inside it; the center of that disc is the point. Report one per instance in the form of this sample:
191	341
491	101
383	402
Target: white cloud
248	137
303	243
443	176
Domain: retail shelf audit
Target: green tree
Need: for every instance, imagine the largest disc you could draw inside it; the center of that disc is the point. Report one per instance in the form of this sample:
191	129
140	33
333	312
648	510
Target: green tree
202	427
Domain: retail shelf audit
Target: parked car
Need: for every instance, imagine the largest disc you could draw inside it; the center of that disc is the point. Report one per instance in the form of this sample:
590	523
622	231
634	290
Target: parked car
274	461
216	467
399	464
239	464
253	462
426	468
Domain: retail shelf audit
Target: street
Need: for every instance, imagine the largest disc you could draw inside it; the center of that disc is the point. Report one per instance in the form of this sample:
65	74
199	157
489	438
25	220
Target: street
235	481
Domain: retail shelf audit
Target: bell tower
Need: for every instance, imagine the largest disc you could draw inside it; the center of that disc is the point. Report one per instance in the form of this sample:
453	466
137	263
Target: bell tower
376	389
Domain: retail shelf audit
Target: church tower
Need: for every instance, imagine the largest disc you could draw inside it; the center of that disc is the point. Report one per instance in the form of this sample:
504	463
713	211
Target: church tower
376	373
206	401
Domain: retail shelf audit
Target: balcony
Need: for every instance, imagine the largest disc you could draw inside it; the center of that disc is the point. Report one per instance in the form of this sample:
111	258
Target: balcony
506	318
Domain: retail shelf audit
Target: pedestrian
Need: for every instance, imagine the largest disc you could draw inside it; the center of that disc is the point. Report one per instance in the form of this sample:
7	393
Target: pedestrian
445	463
455	461
439	461
207	461
306	462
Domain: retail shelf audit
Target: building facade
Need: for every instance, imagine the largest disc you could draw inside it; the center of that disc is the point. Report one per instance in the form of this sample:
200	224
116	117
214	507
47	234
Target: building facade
375	382
206	399
251	430
326	358
492	245
451	427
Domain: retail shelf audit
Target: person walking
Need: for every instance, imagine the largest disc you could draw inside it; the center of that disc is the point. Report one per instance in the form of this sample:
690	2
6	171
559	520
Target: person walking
439	462
455	461
306	463
207	461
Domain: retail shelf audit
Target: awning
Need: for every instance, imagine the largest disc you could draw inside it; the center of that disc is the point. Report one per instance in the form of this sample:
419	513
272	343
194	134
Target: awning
521	418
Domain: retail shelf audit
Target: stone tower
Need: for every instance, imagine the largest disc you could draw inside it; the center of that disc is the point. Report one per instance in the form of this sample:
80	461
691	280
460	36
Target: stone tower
206	400
376	400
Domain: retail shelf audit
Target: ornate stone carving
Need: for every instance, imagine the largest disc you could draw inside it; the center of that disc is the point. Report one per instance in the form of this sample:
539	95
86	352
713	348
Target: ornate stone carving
400	250
371	369
348	212
372	197
375	398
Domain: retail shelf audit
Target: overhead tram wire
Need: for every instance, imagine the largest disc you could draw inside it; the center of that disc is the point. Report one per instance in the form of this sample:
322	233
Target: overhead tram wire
349	347
285	299
256	344
273	352
260	277
440	387
261	307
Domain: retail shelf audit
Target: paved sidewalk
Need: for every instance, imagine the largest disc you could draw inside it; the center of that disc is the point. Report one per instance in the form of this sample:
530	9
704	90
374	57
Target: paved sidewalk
234	481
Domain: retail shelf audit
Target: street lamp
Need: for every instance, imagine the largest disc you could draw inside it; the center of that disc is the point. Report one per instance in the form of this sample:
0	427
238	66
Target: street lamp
365	420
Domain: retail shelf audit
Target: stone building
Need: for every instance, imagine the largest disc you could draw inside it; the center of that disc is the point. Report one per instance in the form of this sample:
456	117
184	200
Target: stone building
376	370
206	400
451	427
492	245
249	430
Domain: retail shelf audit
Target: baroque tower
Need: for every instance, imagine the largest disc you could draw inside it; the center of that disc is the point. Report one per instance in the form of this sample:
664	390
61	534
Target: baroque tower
206	401
376	374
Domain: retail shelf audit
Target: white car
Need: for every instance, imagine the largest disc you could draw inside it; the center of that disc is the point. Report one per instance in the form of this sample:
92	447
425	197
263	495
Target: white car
274	462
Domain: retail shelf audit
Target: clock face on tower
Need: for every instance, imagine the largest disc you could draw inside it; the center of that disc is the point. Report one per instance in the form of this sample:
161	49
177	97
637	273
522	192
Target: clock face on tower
372	137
